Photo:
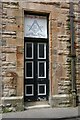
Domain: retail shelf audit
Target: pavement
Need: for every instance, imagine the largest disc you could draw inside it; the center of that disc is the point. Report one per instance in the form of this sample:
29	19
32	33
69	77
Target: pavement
45	112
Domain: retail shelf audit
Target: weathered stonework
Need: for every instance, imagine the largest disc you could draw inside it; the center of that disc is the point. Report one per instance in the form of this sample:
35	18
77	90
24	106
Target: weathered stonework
0	53
12	49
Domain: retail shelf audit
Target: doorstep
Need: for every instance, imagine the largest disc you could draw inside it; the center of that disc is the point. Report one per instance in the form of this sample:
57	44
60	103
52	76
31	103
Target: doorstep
38	106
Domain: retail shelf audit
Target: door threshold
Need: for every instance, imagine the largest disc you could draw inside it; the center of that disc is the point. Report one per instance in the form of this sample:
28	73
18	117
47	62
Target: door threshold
38	106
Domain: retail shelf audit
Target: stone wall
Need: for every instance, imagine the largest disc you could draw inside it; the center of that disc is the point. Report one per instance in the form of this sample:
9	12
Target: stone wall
62	69
12	49
9	49
12	68
61	60
77	41
0	50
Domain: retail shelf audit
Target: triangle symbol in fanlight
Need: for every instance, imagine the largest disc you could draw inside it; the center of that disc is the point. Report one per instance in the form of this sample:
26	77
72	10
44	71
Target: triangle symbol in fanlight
35	27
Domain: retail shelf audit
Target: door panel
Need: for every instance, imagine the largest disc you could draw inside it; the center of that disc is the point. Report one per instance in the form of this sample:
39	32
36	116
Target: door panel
36	71
42	51
29	90
41	89
29	69
29	50
41	69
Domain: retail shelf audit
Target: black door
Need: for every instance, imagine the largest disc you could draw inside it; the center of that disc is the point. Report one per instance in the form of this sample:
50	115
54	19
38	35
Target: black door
36	83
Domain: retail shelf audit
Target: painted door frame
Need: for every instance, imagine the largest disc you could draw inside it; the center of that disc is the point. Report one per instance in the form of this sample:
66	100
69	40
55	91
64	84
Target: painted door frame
42	41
